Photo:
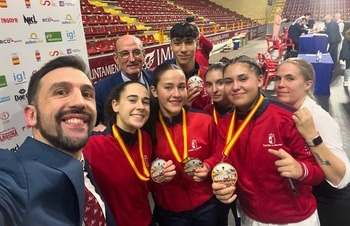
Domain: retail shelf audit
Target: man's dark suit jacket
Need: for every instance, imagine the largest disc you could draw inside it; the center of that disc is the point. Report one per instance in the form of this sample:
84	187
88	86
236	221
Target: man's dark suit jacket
105	86
40	185
332	30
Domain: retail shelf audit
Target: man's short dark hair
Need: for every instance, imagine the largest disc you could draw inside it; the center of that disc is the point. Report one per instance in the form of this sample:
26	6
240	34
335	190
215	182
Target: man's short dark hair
59	62
184	30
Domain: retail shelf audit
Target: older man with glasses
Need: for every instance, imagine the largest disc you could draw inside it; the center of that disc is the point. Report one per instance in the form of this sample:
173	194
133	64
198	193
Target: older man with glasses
130	58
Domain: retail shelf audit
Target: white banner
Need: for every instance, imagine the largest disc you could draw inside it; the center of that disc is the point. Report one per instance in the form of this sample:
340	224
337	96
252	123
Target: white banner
32	33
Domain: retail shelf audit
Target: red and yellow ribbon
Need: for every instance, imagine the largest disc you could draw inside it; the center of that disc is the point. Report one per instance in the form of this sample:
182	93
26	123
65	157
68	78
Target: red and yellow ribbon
117	136
230	141
170	140
215	116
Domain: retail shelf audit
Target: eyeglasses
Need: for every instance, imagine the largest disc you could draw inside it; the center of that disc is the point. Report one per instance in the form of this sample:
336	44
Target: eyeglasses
126	54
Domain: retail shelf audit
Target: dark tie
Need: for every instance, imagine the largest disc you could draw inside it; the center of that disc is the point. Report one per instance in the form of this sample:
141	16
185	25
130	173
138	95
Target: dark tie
93	215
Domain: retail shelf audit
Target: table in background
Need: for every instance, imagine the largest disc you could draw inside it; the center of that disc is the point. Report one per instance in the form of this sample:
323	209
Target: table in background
323	72
311	43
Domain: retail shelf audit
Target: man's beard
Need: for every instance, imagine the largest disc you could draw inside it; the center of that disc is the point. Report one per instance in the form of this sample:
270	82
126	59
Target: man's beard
58	140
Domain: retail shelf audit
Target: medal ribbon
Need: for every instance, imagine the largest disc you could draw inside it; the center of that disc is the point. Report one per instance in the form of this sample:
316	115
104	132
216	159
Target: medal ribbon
170	140
231	142
215	116
117	136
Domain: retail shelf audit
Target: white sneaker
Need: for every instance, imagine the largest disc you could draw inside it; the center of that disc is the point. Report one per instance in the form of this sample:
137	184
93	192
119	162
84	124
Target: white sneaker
345	83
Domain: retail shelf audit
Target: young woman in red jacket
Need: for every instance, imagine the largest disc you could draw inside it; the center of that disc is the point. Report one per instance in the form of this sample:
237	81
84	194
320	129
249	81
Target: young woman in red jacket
120	159
214	85
187	137
276	170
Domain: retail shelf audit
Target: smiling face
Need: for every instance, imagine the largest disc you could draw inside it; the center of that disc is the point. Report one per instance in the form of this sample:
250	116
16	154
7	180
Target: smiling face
132	108
64	112
171	92
184	50
290	86
131	48
242	85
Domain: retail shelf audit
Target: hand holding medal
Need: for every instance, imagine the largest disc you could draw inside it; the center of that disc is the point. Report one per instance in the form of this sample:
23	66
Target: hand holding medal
157	170
162	171
190	165
195	81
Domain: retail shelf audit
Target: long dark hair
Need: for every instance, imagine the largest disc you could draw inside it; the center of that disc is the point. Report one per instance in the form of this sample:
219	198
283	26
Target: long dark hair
150	126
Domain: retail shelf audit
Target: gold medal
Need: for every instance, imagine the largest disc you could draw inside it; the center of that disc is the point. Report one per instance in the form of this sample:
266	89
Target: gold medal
224	173
190	165
157	170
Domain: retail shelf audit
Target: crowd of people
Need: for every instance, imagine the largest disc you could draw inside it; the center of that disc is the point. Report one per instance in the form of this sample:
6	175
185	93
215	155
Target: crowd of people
201	150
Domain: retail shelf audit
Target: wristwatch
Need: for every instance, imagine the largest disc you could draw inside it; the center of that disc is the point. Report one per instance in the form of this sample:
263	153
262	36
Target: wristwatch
317	140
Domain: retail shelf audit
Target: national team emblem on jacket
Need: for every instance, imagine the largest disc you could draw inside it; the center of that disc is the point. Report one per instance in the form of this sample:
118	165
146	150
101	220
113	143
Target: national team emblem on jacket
271	138
271	141
194	145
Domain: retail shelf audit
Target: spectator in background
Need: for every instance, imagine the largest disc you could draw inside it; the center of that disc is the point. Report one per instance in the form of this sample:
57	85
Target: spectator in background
334	38
43	182
340	22
205	46
345	54
309	24
130	58
184	43
296	30
277	23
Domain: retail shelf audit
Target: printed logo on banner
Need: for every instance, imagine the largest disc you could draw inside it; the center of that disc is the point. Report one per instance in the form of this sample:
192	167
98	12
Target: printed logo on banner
64	3
9	20
71	35
5	99
47	3
55	53
4	117
3	82
27	2
68	20
49	20
15	59
71	51
29	20
22	95
54	36
37	56
19	78
9	41
3	4
8	134
33	39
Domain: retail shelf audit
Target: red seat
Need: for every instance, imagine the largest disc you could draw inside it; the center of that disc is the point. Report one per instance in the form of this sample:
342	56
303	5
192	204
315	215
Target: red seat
268	66
90	49
101	46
